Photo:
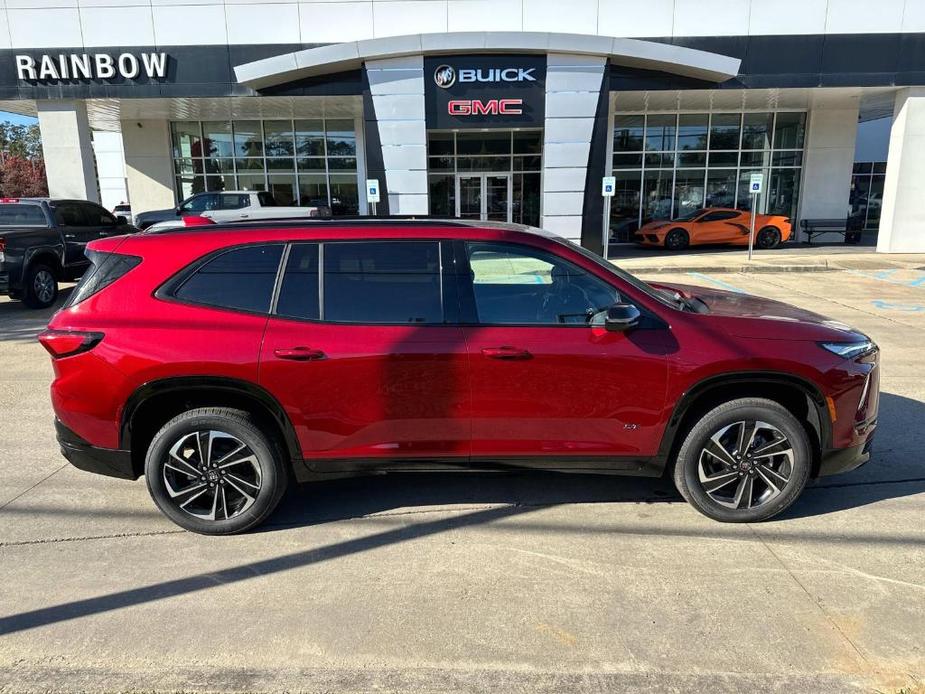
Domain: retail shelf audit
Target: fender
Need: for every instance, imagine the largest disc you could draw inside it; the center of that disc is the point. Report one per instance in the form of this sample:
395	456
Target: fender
216	384
692	394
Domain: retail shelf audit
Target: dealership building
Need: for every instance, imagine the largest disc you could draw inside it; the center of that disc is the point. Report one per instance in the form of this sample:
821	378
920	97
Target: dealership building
511	110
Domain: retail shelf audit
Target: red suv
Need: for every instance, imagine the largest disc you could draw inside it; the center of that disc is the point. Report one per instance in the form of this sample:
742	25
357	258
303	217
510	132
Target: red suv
219	362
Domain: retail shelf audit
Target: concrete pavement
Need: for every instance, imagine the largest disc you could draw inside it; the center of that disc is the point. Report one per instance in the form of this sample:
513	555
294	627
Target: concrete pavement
787	258
476	582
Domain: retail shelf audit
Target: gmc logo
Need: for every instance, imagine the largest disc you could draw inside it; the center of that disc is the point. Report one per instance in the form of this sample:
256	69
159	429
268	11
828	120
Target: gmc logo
489	107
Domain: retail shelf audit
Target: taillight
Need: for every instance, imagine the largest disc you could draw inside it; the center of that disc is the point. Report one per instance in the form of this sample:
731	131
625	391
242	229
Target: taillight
67	343
197	221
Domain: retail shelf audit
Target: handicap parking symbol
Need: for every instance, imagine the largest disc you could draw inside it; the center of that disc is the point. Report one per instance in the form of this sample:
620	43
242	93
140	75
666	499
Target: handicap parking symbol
889	306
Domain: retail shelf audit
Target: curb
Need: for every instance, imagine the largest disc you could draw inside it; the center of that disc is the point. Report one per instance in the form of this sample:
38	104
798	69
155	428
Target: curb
748	269
755	269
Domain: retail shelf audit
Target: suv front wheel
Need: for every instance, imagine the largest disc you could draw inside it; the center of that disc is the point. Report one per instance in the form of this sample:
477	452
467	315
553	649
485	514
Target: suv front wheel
744	461
212	471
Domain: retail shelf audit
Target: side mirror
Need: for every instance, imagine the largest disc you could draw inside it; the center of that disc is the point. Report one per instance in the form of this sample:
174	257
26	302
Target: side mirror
621	318
121	220
178	210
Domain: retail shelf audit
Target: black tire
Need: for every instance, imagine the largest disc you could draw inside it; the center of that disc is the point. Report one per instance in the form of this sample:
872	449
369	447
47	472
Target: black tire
262	476
40	286
774	467
677	240
768	237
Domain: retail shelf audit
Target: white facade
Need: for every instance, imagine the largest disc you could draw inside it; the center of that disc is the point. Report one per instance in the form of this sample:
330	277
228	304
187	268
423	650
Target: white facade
96	23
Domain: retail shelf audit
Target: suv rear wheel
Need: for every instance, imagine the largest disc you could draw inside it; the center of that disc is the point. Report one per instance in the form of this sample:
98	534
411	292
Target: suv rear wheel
746	460
40	288
212	471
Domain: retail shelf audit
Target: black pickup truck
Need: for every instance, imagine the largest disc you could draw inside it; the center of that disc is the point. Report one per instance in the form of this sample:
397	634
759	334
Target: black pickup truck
42	242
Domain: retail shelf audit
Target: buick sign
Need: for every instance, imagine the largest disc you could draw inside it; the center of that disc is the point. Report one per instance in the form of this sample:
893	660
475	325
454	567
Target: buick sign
445	75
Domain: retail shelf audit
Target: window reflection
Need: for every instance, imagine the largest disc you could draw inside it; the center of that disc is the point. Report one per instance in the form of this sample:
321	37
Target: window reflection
667	164
302	162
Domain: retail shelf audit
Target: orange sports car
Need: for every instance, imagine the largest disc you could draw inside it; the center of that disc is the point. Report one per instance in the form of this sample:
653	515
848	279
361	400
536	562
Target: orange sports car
715	225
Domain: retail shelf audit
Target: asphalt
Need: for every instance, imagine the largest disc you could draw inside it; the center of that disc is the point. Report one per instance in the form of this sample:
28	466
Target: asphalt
477	582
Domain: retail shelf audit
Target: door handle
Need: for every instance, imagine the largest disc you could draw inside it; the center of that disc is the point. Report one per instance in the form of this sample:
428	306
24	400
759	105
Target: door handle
506	353
299	354
70	236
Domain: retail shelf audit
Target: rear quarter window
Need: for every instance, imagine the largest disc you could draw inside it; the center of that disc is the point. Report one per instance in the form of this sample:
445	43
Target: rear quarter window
240	279
22	215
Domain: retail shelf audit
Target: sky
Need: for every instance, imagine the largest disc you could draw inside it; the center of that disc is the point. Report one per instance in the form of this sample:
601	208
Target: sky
17	119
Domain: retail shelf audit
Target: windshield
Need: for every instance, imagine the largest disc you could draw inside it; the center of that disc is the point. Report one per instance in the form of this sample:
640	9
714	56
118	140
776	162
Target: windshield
660	296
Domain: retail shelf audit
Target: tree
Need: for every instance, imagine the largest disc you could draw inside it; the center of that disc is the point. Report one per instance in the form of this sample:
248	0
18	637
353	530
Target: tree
21	140
22	178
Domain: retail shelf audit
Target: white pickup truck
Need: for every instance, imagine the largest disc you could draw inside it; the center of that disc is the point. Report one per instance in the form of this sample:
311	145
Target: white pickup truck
227	206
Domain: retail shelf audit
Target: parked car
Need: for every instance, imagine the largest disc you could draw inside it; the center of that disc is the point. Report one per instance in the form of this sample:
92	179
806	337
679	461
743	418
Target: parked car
123	209
229	206
715	225
42	243
216	363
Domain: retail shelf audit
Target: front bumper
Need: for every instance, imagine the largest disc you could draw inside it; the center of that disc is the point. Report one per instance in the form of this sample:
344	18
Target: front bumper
85	456
836	461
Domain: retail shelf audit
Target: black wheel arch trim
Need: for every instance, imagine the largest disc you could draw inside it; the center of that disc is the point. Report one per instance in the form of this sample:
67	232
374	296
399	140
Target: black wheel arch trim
218	384
703	387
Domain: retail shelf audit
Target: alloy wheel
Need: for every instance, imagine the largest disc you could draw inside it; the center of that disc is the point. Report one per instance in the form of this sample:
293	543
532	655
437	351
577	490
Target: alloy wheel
745	464
767	238
43	285
212	475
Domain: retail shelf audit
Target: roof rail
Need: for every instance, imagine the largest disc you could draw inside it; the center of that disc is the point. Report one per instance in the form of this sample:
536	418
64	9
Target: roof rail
352	220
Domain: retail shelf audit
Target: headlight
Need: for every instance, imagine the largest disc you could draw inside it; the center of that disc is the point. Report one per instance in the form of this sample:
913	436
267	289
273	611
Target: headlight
849	350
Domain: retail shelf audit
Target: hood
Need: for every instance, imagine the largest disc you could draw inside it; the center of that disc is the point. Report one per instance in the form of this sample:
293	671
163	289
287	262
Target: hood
744	315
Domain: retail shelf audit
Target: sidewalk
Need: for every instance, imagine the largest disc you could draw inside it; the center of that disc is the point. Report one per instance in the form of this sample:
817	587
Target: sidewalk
788	259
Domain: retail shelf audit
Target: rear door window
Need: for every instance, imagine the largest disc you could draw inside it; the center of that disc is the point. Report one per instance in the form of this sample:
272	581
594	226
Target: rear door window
241	278
382	282
300	292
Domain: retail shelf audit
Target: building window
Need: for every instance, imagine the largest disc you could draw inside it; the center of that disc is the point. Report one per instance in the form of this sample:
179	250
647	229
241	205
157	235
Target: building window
501	166
302	162
867	193
668	165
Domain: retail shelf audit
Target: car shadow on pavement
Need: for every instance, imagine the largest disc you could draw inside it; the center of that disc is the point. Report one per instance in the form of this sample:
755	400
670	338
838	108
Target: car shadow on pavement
408	492
896	468
894	471
18	323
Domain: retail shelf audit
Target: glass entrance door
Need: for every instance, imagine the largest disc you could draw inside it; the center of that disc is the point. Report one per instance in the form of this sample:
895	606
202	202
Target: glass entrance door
470	197
486	197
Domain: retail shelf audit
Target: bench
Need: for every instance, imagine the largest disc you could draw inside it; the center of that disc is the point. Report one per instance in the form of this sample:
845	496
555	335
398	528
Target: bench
849	227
